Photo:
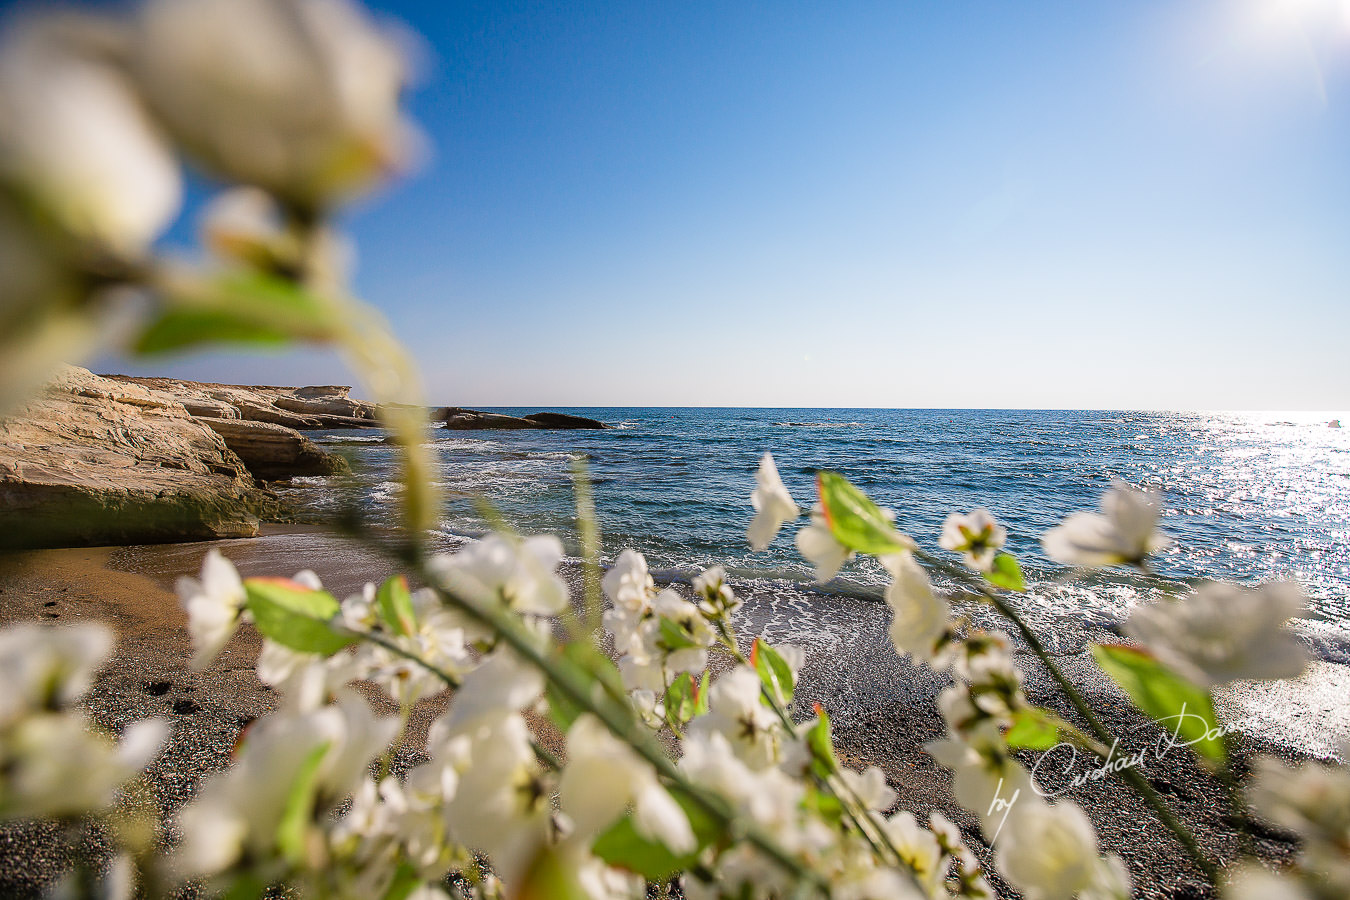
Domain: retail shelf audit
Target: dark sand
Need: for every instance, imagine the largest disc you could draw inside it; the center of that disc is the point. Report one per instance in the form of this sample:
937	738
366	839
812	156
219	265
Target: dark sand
884	709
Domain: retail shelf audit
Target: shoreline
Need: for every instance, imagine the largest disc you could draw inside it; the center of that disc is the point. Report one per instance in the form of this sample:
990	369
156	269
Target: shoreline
883	708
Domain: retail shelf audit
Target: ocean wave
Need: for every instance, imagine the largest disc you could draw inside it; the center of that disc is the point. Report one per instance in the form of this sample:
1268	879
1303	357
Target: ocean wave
820	424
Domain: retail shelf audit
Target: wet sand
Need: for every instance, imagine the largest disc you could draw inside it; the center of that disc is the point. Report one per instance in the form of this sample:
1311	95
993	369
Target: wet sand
883	709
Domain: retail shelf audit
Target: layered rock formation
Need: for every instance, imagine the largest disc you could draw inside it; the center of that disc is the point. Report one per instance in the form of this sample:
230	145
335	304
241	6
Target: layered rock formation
303	408
93	461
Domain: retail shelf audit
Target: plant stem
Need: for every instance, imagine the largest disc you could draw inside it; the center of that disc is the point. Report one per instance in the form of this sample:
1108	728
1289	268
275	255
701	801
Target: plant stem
853	806
1130	775
566	682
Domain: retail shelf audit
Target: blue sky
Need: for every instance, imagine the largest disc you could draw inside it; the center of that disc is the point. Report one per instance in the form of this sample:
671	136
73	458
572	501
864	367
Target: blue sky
955	204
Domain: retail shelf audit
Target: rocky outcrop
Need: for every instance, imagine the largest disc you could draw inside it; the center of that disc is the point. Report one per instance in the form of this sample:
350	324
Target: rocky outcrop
274	453
563	420
95	461
474	421
303	408
458	419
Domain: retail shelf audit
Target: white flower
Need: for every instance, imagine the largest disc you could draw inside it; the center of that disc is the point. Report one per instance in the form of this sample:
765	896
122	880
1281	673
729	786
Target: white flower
1048	852
1125	532
983	772
627	584
692	629
736	713
213	607
820	547
518	573
1224	632
74	138
919	617
712	588
773	505
46	667
604	776
501	805
976	536
299	97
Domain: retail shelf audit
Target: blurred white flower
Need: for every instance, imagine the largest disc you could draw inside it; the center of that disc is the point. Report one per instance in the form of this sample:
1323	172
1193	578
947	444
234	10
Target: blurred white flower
1125	532
919	618
1250	881
519	573
820	547
870	788
49	667
1312	800
238	811
773	505
1048	852
501	684
213	604
976	536
244	223
56	765
769	796
919	850
299	97
604	776
1224	632
75	140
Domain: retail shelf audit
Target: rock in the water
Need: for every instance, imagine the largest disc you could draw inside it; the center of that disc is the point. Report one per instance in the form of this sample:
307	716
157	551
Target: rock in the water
563	420
93	461
276	453
474	421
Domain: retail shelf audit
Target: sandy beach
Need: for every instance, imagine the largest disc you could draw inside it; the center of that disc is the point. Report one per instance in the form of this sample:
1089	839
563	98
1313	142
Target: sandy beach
883	708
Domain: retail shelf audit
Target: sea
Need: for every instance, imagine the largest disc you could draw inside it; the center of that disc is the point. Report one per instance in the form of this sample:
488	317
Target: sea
1247	496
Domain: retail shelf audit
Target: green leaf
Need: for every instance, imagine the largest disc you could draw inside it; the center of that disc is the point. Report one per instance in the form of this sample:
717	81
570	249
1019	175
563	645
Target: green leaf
673	637
295	616
824	804
238	307
405	881
1033	729
680	698
394	602
823	761
299	808
621	845
1006	573
855	521
701	695
550	877
773	671
1183	710
179	329
599	670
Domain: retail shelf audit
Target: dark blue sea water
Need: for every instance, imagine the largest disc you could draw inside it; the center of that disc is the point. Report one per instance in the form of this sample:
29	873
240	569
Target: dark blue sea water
1247	496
